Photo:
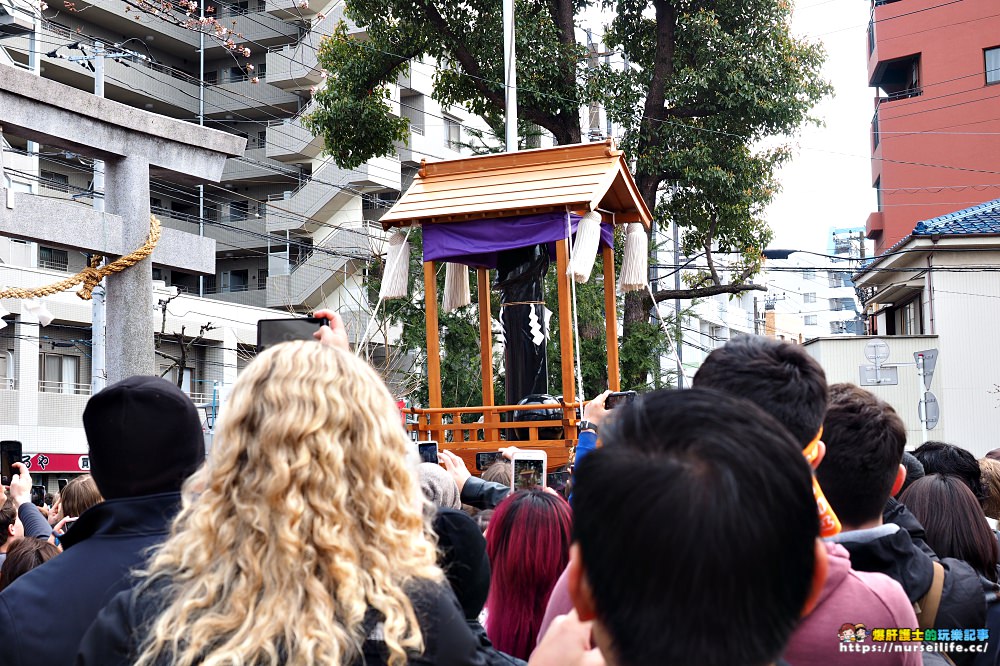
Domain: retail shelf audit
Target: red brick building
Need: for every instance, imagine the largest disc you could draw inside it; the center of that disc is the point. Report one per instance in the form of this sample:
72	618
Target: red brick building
936	129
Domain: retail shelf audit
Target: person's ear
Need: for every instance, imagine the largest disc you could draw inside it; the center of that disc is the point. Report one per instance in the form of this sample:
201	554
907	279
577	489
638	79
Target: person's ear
579	588
820	571
10	530
900	480
820	453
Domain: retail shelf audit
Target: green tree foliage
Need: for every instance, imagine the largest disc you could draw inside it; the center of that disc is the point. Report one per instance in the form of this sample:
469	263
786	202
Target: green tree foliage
464	37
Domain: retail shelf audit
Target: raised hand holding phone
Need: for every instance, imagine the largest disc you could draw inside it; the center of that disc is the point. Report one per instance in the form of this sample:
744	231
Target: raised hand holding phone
334	335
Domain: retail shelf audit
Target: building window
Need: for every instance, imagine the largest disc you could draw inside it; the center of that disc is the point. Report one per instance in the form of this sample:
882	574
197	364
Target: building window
211	78
840	279
809	298
262	278
238	211
59	373
452	133
875	136
878	194
55	181
810	320
808	274
909	318
839	304
993	65
235	280
838	327
53	259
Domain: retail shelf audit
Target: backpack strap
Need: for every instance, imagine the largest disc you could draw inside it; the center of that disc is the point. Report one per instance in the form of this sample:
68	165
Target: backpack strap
927	608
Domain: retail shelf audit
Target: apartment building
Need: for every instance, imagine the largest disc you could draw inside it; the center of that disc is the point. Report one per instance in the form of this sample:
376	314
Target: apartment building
935	132
293	230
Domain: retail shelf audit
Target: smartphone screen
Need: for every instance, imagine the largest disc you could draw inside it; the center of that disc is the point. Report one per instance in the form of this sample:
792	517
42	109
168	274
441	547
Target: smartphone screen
618	398
10	453
38	495
428	452
273	331
487	458
528	473
62	484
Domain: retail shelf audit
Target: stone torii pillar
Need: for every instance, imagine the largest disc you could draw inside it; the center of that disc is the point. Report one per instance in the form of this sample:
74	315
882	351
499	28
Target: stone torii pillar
134	144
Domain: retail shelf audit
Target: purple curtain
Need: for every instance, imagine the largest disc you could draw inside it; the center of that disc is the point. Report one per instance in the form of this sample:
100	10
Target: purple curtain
477	242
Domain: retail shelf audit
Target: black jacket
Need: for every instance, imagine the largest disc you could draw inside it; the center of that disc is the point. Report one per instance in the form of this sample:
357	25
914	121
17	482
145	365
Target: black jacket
493	656
115	635
45	613
483	494
898	550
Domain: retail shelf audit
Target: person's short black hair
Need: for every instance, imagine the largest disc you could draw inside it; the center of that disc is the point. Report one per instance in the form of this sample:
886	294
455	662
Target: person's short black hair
914	470
951	460
779	377
864	445
697	513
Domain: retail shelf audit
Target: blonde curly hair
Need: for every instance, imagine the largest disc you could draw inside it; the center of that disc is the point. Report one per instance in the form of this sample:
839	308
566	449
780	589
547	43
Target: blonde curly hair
303	519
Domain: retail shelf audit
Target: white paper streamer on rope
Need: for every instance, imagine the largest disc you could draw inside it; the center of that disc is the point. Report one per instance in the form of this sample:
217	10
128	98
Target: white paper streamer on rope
37	308
397	268
635	262
456	287
588	238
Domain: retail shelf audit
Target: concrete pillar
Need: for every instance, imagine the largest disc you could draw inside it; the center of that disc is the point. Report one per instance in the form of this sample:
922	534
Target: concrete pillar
129	299
229	356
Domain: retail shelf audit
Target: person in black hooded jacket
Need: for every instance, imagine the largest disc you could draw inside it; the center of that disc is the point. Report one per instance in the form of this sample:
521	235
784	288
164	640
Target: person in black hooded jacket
864	446
145	438
462	556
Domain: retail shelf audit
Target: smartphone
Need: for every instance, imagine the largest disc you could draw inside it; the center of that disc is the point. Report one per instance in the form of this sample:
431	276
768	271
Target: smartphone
428	451
272	331
618	398
10	453
62	484
38	495
487	458
559	482
529	470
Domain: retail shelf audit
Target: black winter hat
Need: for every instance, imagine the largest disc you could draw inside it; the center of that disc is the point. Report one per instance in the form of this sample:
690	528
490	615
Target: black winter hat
462	556
145	437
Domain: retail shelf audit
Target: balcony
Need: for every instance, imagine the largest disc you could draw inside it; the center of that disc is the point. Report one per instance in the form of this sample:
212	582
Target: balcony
170	37
289	141
293	67
136	82
259	29
229	232
875	225
321	270
329	189
249	99
254	165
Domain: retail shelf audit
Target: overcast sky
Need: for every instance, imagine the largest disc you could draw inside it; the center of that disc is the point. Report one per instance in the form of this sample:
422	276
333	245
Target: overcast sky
828	182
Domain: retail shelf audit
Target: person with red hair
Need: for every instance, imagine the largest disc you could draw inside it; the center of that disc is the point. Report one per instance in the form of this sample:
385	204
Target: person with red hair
528	546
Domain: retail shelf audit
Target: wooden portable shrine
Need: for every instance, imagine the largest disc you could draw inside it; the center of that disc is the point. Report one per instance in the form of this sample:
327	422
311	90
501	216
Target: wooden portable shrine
503	189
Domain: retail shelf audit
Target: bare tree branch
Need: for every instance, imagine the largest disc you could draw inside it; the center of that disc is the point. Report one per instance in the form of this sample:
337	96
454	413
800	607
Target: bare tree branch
668	294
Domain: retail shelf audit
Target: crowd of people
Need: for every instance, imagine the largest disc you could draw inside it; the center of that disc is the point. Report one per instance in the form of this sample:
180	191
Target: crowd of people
759	518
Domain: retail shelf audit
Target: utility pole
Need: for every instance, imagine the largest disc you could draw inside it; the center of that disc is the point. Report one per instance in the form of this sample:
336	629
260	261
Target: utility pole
98	360
756	317
201	122
510	76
